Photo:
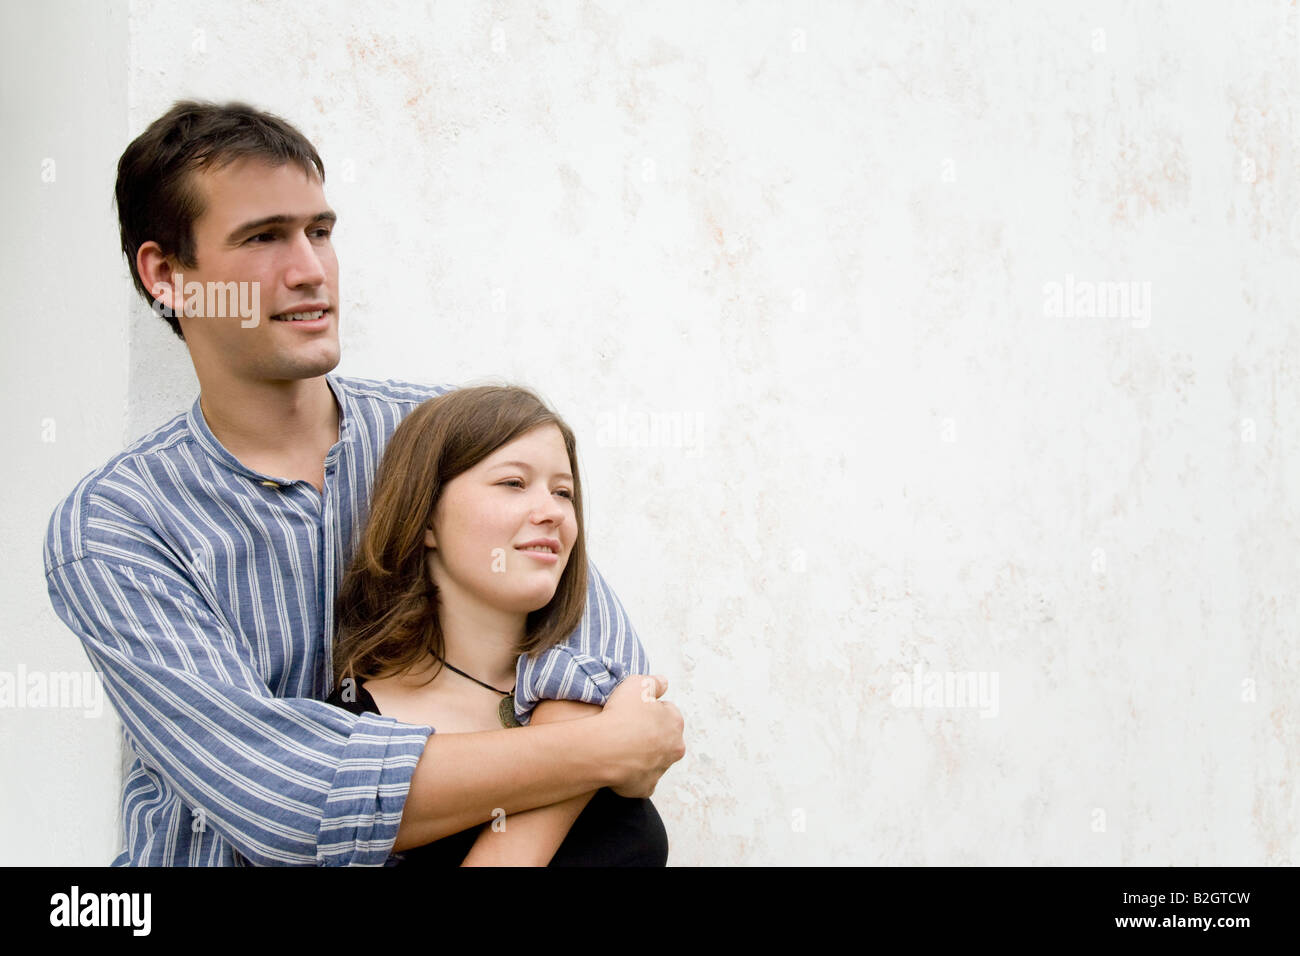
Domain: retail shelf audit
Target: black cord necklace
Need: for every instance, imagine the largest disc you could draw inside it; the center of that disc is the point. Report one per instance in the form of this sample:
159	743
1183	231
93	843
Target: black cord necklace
506	711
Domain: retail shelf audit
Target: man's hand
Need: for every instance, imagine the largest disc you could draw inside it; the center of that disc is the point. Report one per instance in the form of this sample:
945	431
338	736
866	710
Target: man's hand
461	779
645	734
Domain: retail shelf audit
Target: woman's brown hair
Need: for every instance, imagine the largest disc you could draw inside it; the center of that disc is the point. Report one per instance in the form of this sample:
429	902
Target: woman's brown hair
387	609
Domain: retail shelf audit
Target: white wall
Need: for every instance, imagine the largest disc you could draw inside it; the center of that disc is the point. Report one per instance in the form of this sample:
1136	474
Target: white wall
63	386
819	240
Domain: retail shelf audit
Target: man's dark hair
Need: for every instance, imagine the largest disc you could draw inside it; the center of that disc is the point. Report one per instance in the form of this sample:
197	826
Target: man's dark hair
156	198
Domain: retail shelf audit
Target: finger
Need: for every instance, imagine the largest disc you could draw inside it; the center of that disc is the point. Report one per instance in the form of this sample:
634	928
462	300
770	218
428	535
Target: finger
653	687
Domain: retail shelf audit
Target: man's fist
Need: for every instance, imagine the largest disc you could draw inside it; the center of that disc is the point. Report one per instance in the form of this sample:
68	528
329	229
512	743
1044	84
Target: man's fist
645	734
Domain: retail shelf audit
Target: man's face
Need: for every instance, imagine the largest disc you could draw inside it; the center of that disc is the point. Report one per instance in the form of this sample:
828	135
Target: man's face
268	225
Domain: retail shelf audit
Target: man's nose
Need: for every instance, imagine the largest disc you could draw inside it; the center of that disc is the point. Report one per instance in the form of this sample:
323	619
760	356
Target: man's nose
305	267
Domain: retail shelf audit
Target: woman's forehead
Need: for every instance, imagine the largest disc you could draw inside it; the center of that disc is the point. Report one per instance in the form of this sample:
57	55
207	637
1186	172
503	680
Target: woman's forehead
541	448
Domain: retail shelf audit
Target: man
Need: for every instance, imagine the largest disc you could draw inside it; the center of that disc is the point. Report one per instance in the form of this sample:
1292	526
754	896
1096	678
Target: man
199	566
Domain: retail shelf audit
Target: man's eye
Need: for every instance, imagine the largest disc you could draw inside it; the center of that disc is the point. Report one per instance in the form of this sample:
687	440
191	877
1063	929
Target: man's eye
262	237
324	232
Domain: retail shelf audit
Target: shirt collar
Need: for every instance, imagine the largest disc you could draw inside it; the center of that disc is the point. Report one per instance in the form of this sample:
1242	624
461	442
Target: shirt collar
209	443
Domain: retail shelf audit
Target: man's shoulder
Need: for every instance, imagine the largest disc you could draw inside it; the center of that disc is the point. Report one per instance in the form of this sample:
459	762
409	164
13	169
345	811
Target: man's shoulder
117	486
389	390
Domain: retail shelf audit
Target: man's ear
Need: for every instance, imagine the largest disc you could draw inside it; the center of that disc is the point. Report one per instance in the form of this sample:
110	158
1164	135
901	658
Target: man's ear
157	272
429	540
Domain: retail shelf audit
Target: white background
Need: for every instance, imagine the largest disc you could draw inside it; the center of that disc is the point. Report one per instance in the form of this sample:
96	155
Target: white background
817	242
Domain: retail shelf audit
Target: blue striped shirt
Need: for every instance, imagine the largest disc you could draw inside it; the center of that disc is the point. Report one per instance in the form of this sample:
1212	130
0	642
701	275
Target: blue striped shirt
203	592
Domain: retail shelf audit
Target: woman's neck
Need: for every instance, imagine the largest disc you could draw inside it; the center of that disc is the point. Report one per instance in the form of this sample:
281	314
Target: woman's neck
483	643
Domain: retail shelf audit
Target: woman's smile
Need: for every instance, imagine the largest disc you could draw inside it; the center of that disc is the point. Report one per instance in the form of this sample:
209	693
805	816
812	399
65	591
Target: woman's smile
545	555
546	550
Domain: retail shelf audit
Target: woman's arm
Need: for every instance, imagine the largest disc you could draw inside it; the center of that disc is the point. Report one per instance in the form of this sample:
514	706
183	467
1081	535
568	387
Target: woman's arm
460	778
532	837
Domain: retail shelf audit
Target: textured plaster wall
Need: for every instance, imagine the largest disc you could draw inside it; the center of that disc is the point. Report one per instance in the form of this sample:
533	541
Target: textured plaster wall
832	295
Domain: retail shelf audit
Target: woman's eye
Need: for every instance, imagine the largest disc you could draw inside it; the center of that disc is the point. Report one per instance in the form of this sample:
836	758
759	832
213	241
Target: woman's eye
518	483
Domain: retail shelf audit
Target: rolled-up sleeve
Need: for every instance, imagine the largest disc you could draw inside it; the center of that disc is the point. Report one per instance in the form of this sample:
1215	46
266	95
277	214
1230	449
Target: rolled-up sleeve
591	663
284	781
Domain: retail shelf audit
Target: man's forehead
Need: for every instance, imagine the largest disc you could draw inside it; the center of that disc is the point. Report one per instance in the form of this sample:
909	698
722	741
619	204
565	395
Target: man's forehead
249	188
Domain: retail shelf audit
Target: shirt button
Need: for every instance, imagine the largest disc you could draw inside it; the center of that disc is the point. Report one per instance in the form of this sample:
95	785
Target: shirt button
270	484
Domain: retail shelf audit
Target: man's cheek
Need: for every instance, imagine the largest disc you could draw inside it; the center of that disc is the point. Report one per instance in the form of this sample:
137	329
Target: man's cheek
250	304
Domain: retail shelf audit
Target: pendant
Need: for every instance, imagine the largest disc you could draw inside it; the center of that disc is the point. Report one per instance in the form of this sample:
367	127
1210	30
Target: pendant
506	712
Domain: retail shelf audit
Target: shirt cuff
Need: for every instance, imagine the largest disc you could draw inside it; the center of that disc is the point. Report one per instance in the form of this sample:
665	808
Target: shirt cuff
364	807
562	674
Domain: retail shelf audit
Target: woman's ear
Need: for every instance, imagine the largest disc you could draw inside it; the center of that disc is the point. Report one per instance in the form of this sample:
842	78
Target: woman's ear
429	540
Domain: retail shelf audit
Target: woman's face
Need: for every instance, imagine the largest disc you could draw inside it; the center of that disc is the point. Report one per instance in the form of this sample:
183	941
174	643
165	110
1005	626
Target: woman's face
503	531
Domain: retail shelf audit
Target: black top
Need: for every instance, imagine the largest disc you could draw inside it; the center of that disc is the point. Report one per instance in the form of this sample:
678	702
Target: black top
610	831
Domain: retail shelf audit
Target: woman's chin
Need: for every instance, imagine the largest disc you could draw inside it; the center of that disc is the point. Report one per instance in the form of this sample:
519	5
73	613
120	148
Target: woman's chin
525	601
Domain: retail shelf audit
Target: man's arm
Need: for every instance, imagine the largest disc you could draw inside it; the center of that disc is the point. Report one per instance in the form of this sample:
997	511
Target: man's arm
566	682
464	778
284	781
294	781
595	658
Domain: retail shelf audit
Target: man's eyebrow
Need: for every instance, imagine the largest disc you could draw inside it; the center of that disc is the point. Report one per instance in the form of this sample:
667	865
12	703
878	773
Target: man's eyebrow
280	220
527	467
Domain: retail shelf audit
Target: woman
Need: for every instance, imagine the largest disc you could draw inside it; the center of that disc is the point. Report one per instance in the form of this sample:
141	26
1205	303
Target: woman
474	555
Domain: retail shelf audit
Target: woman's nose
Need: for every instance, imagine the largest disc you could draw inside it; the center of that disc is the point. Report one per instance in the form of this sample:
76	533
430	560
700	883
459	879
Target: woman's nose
550	511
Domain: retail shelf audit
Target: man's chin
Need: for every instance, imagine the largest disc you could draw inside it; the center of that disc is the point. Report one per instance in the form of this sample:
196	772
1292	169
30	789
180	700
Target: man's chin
301	367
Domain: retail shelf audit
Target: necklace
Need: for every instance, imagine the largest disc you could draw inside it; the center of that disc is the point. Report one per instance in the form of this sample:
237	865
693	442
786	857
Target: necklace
506	711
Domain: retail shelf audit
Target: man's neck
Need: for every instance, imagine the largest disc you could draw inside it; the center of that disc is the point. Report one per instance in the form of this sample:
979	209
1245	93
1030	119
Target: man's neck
277	428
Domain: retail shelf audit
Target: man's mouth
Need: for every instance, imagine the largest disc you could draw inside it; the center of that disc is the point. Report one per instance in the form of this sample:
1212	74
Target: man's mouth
299	316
